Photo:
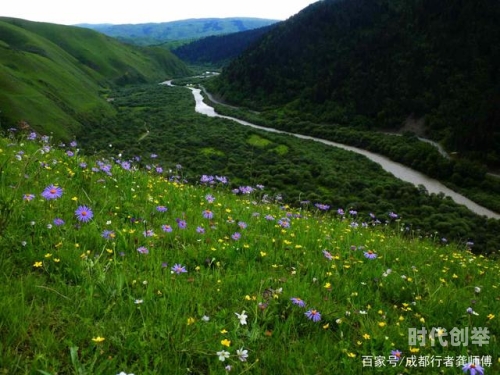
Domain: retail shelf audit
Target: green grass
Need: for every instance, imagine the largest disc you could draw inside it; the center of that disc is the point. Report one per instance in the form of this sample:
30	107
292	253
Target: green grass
74	302
53	76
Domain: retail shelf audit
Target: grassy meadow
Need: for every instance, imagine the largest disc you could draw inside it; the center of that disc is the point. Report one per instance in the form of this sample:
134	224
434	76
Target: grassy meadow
108	268
56	77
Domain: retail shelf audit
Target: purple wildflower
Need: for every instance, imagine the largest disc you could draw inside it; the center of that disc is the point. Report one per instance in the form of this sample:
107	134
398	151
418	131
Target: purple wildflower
206	179
221	179
475	368
166	228
246	189
178	269
52	192
370	254
83	213
143	250
397	354
148	233
108	234
210	198
236	236
200	230
126	165
207	214
322	207
327	255
284	223
297	301
161	208
28	197
73	144
393	215
242	224
58	221
181	223
70	153
313	315
340	211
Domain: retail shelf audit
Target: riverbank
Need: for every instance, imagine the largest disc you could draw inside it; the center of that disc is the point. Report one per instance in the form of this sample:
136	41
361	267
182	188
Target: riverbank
400	171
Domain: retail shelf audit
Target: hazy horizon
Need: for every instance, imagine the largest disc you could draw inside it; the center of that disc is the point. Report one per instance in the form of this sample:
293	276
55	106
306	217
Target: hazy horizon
147	11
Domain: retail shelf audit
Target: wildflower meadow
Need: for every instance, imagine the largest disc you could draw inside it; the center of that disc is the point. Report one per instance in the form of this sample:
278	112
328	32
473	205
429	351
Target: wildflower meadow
113	266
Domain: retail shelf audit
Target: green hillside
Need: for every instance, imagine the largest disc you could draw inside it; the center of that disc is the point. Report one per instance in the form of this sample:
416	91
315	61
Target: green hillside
182	30
108	268
55	77
376	64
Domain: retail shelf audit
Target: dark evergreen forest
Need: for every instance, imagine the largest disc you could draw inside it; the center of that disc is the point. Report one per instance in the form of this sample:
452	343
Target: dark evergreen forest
375	64
218	50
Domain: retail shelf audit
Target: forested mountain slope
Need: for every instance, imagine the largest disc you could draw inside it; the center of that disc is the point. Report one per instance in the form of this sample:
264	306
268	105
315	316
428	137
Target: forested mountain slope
218	50
54	77
377	63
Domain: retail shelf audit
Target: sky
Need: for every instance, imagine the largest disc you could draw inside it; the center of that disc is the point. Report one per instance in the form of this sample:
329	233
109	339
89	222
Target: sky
69	12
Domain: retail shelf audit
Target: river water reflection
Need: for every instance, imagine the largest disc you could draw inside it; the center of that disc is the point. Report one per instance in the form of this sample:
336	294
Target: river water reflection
398	170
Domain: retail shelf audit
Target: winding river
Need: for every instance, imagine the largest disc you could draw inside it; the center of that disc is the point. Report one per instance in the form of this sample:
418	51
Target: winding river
398	170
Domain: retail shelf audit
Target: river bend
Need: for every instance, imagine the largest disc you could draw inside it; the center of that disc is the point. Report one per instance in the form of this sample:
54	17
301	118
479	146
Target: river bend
396	169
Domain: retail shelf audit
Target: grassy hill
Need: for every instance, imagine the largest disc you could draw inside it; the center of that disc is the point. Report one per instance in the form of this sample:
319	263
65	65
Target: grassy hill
107	267
55	77
182	30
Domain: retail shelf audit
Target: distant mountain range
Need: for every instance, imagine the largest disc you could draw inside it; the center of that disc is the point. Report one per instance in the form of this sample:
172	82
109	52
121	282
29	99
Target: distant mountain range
55	77
183	30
